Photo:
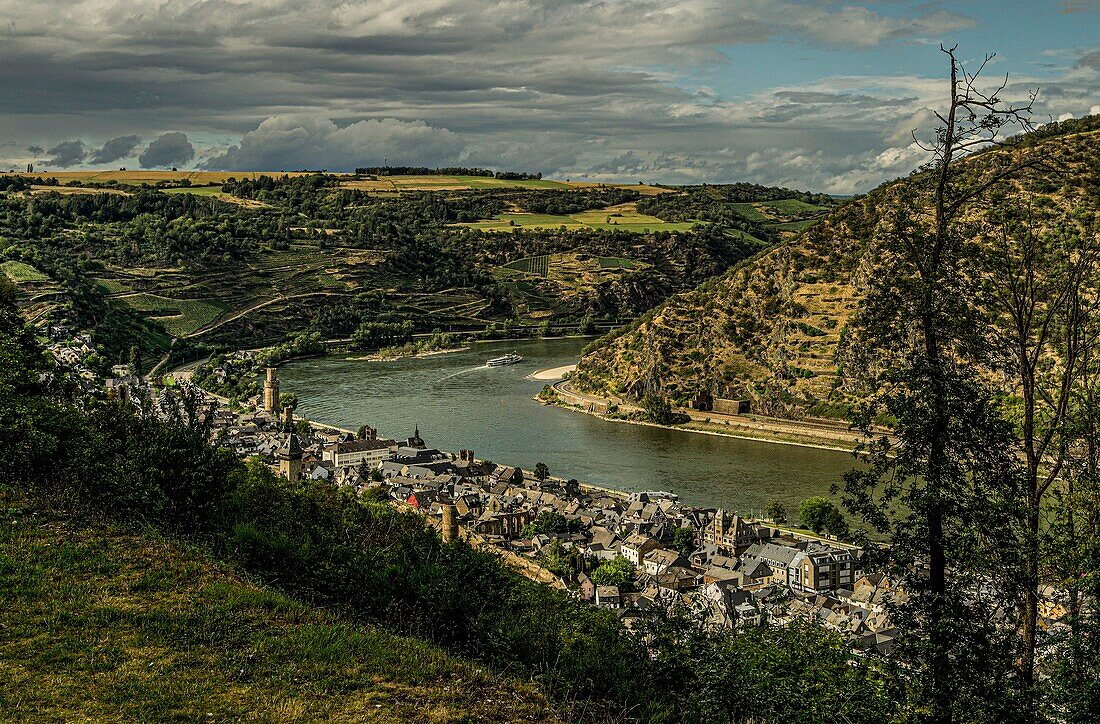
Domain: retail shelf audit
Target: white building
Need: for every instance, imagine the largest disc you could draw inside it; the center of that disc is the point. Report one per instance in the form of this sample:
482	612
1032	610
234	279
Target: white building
357	452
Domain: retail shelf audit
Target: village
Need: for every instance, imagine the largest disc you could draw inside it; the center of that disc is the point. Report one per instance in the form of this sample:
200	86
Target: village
627	552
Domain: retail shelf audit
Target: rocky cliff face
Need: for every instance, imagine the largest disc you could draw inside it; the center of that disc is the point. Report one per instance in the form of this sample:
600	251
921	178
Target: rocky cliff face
775	328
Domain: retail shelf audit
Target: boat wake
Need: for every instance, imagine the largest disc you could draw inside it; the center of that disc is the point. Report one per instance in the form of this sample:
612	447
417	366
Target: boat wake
466	371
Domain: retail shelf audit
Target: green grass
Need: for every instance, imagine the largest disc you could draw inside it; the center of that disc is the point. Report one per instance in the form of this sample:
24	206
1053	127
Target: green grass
196	190
108	624
18	271
112	286
616	262
615	216
537	265
177	316
750	212
644	228
793	207
598	219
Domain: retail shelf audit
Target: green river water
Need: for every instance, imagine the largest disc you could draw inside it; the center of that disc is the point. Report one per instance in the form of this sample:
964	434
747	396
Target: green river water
459	403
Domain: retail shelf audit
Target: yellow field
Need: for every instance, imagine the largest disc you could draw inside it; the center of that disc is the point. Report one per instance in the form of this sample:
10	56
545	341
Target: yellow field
75	190
464	183
377	184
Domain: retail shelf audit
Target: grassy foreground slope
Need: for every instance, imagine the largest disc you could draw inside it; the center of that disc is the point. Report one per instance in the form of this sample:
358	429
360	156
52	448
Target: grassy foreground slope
775	328
101	622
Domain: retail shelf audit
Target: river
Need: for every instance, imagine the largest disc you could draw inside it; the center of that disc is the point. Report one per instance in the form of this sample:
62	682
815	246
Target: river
459	403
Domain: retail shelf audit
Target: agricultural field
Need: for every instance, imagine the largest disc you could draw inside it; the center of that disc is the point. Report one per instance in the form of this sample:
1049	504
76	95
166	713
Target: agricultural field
624	217
20	272
794	207
780	212
568	267
75	190
446	183
196	190
137	178
751	212
796	225
616	262
397	184
179	317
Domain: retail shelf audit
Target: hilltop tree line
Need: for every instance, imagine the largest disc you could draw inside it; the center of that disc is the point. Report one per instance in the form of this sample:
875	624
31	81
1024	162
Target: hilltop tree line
445	171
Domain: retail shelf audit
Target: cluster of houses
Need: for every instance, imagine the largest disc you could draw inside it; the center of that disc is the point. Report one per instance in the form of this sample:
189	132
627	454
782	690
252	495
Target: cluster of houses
734	572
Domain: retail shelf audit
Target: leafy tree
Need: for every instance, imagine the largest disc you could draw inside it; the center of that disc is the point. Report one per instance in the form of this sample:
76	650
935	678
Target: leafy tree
776	511
1073	548
542	472
1038	277
616	572
547	522
135	360
821	515
30	428
658	409
556	558
684	541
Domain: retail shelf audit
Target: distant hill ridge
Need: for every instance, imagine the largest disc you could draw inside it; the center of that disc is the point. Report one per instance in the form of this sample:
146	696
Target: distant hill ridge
774	328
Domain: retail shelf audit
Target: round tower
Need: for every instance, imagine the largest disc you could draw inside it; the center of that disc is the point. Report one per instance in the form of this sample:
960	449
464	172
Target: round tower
450	523
271	391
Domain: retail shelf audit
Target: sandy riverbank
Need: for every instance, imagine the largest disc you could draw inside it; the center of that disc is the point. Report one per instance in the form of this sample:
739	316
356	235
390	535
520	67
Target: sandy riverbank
555	373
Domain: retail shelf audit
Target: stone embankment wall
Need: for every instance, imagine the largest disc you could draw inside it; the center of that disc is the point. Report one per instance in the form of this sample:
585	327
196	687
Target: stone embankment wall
524	566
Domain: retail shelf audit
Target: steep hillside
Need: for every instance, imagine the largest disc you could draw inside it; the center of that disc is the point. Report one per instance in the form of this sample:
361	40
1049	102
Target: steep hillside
102	623
774	329
249	261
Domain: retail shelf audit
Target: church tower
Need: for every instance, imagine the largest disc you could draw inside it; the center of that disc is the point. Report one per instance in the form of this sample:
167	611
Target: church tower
271	392
290	459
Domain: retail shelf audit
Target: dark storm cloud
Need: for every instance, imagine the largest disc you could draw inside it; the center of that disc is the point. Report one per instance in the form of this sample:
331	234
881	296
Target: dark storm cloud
169	149
67	153
297	142
559	86
116	148
36	150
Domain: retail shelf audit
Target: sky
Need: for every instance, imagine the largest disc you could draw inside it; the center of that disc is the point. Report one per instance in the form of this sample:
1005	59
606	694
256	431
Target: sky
809	94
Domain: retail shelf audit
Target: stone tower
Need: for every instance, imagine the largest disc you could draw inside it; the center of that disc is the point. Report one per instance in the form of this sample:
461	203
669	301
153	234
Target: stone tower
290	459
450	523
271	392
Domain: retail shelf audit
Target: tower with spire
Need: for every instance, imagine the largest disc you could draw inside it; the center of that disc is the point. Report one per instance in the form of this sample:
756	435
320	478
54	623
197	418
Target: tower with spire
290	459
416	441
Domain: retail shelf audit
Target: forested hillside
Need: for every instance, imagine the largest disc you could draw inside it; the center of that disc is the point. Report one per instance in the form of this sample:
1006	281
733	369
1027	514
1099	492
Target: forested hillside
251	260
775	328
